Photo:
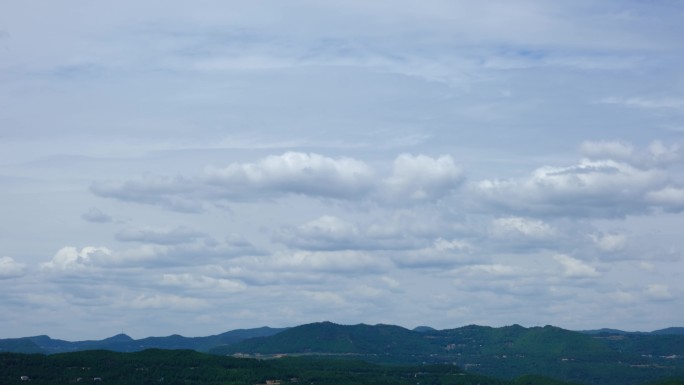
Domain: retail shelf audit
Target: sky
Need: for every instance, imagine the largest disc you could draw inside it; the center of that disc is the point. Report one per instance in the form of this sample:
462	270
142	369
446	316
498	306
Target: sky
193	168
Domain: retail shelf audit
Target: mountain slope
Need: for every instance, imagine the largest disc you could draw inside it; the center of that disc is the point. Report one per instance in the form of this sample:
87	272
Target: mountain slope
327	337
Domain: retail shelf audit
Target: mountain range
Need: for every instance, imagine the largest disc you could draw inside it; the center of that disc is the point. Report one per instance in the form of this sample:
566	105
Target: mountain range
603	356
124	343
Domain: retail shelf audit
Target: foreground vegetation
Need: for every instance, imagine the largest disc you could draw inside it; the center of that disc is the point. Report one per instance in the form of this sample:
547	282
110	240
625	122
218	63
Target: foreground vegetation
185	367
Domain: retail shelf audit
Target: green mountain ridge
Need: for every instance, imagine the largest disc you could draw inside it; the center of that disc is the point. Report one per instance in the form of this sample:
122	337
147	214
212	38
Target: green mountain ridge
509	352
506	352
124	343
327	337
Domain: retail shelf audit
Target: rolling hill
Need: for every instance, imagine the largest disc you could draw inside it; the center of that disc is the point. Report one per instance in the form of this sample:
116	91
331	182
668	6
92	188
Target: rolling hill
124	343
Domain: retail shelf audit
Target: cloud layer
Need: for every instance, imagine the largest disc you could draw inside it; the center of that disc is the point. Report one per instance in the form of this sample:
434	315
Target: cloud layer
227	165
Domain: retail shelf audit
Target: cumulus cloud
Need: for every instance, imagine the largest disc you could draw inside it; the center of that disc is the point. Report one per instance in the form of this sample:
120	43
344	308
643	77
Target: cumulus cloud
175	236
614	180
292	172
595	188
72	259
574	268
420	178
417	178
9	268
96	216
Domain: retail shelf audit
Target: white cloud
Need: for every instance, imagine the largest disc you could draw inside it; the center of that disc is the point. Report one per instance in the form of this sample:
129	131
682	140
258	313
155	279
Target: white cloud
420	178
173	193
656	155
344	262
670	198
292	172
166	301
525	227
390	282
72	259
442	253
607	150
659	153
592	188
324	233
658	292
610	242
151	255
9	268
574	268
492	269
416	179
203	282
329	226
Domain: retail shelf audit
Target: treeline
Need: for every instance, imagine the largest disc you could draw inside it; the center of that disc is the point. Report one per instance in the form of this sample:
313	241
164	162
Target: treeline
184	367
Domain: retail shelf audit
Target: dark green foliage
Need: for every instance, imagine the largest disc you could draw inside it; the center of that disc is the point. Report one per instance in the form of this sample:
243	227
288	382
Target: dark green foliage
641	344
537	380
669	381
189	367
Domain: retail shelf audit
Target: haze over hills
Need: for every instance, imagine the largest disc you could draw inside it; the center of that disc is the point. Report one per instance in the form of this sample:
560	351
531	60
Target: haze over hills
665	331
124	343
594	357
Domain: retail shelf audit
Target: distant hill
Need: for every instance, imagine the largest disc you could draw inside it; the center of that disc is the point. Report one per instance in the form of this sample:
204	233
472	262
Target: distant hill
330	338
20	345
674	330
666	331
124	343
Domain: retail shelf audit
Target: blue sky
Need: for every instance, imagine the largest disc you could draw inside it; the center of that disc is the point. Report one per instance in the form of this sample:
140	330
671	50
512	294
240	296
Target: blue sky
175	168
